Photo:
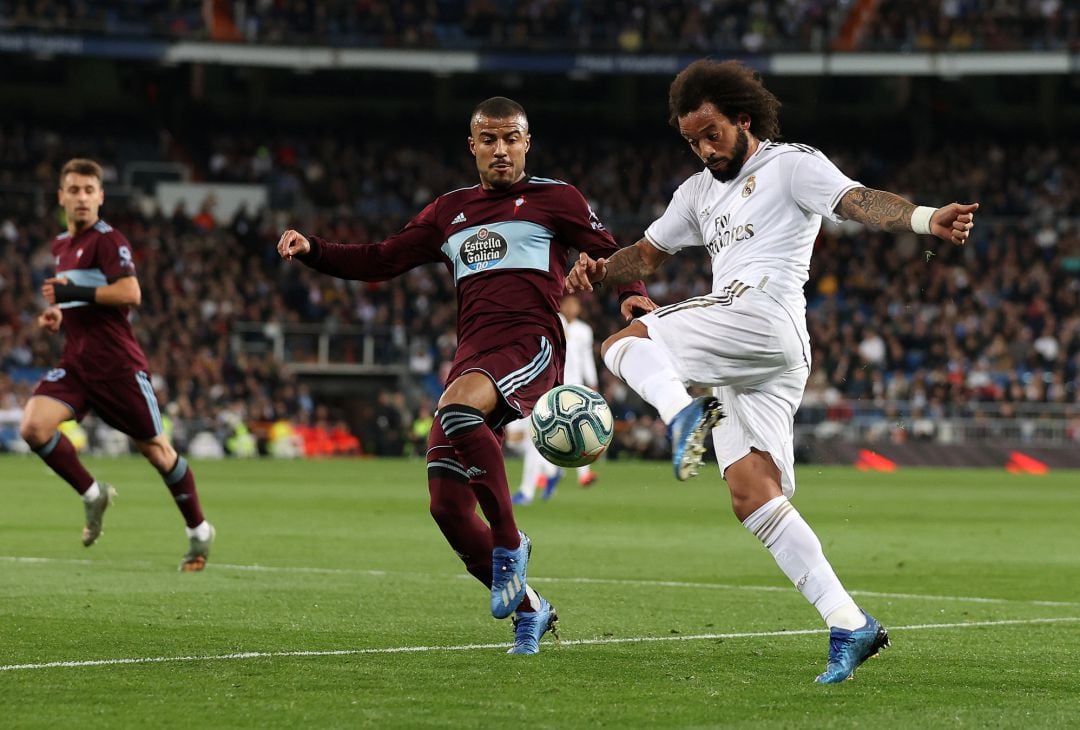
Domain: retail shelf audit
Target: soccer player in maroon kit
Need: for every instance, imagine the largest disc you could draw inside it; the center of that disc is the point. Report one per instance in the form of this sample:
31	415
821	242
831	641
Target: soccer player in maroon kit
102	368
506	242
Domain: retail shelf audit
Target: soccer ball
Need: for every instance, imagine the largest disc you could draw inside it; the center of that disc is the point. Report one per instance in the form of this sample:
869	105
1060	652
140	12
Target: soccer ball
572	425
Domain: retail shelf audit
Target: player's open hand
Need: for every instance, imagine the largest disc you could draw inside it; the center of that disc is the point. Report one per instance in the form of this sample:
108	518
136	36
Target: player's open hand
954	222
292	243
50	319
48	288
636	306
586	271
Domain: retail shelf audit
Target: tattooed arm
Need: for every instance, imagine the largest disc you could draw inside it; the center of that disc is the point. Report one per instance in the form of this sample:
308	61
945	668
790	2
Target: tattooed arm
627	264
876	209
889	212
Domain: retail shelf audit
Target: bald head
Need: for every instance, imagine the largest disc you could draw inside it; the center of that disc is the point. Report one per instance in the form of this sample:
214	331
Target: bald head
499	140
498	108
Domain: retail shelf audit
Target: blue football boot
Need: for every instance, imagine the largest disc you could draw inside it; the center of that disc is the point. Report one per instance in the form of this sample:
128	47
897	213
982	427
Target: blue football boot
519	498
849	649
529	626
687	432
508	577
550	483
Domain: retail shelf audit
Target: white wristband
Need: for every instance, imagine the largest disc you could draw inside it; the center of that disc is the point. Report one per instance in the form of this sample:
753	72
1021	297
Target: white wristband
920	219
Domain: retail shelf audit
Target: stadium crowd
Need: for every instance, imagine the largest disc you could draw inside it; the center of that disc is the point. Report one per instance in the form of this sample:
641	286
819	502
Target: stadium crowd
599	25
902	319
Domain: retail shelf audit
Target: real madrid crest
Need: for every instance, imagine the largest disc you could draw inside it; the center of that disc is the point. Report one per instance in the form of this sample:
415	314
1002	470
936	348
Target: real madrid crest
748	188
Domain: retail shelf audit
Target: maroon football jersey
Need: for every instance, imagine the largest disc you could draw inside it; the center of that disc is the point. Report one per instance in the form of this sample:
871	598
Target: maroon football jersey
506	249
100	342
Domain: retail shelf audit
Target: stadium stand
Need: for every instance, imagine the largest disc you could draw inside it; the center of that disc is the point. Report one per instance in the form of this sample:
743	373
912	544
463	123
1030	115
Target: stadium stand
608	25
940	331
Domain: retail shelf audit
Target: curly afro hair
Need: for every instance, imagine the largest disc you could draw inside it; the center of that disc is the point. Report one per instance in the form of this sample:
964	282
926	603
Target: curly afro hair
732	88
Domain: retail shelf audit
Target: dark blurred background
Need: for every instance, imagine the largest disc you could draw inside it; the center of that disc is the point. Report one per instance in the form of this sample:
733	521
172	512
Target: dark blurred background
221	124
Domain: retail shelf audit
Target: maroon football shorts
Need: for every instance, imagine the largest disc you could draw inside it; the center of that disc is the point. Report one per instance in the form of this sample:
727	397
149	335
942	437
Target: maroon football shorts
522	372
127	403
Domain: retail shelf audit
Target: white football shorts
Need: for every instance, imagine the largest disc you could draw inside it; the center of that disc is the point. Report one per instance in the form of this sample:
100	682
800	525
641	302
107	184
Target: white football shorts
747	347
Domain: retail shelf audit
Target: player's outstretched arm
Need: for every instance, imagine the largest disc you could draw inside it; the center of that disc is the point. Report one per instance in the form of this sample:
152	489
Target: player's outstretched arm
889	212
632	263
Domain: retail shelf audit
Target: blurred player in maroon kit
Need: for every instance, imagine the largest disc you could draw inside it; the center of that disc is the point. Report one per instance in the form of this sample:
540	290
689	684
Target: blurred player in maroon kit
102	368
506	243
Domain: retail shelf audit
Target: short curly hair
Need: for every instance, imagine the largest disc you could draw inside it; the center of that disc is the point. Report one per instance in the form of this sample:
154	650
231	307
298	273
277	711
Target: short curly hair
730	86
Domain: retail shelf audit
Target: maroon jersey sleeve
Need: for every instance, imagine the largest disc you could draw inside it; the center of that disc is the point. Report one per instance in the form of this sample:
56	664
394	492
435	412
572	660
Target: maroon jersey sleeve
580	227
114	256
419	242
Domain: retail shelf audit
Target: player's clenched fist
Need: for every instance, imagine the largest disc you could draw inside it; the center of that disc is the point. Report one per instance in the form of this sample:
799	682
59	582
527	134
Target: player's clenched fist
954	222
50	319
292	243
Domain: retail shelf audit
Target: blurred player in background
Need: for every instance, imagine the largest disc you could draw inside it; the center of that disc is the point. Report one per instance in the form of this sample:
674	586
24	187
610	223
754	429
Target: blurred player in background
102	368
757	209
580	369
506	242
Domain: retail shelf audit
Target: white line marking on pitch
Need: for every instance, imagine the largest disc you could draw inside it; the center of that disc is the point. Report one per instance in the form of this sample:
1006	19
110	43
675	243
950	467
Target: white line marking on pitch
541	579
473	647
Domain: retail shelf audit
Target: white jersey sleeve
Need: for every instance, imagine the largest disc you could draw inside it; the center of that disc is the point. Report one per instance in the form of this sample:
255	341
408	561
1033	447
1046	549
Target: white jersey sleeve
678	227
817	184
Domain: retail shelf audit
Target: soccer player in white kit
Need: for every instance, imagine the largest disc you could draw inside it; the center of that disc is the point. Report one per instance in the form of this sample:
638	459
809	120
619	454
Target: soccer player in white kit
757	209
579	369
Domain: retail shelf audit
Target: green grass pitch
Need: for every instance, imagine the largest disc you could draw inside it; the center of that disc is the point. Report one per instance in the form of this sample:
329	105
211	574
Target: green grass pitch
331	600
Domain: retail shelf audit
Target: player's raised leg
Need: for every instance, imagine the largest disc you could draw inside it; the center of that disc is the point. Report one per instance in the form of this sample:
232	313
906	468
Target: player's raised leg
645	366
180	481
759	502
40	421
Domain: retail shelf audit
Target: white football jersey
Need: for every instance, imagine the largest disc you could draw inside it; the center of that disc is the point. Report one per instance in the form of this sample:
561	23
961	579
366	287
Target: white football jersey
580	367
760	227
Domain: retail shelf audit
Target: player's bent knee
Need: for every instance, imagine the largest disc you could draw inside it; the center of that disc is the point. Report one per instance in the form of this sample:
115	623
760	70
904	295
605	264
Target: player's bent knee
753	480
634	329
36	434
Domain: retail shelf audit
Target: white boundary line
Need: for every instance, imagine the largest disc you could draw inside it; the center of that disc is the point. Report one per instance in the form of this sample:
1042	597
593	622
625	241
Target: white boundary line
474	647
539	580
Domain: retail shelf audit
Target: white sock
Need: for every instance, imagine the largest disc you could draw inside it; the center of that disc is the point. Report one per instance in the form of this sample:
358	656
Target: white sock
200	531
92	492
531	469
797	551
583	472
648	370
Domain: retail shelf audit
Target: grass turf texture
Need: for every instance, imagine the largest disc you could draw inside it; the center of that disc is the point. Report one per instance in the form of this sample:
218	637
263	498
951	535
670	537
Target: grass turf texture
356	563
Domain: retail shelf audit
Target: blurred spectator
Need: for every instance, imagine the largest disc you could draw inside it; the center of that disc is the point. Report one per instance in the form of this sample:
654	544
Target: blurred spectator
631	26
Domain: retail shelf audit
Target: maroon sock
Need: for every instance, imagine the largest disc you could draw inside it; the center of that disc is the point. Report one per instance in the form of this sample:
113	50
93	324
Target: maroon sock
59	453
181	483
481	455
453	505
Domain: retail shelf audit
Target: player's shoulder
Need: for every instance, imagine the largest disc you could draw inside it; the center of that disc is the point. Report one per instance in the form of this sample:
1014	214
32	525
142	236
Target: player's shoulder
537	180
552	186
106	232
789	152
458	194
